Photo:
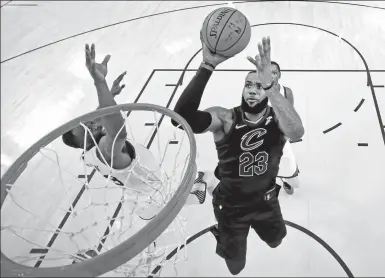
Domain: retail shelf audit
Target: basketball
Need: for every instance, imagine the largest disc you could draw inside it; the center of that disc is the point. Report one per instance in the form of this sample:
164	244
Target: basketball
226	31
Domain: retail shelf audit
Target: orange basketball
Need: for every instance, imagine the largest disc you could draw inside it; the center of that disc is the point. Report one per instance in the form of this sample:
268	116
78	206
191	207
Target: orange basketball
226	31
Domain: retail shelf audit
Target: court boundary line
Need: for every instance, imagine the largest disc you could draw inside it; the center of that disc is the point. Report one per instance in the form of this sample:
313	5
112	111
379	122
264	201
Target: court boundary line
80	194
167	12
288	223
369	82
181	78
283	70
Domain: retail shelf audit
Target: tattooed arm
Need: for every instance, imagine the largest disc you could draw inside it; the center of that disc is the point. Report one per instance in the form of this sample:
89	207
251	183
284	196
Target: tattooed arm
288	119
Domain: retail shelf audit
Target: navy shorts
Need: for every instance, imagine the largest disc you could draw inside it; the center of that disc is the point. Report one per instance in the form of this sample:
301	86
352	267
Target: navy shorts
264	217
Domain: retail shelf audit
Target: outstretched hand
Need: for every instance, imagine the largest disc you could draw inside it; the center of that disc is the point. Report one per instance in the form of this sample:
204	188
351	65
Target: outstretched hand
210	57
97	71
263	62
116	88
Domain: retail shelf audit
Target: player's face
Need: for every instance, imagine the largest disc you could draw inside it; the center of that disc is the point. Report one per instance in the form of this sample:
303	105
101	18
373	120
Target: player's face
253	92
276	73
96	130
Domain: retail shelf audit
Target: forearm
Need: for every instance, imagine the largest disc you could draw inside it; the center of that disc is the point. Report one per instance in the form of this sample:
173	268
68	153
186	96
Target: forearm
190	98
188	103
289	120
97	108
113	122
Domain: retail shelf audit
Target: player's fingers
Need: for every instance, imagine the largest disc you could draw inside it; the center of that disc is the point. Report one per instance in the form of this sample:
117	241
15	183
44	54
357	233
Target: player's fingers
122	76
106	59
252	60
264	44
260	50
119	78
93	52
87	48
121	88
118	90
93	67
258	63
268	44
267	48
88	55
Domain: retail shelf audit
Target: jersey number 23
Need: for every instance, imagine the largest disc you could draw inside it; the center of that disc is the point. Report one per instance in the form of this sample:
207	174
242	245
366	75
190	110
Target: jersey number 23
250	165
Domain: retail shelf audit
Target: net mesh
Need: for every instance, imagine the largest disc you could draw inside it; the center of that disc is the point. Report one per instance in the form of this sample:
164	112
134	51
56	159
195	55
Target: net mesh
62	210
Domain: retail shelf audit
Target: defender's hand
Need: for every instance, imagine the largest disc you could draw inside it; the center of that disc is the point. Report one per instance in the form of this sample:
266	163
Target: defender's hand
263	62
116	88
97	71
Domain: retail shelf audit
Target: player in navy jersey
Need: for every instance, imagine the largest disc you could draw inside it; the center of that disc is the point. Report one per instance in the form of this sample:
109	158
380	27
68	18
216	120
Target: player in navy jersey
249	141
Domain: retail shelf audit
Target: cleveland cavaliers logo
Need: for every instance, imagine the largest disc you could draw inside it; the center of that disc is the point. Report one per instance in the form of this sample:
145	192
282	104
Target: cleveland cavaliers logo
248	137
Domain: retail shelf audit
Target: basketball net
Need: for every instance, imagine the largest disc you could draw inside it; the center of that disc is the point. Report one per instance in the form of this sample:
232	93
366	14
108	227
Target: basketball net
72	229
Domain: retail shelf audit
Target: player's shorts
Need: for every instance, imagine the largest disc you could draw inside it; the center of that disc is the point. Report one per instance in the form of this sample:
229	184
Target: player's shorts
288	167
234	224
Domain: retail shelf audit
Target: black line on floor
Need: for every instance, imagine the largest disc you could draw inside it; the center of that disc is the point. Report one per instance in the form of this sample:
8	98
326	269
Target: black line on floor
378	86
370	83
180	81
39	251
173	142
319	1
359	105
171	85
363	144
65	218
90	176
288	223
330	129
369	78
119	206
163	13
368	71
324	244
22	5
107	26
351	4
142	90
162	117
282	70
6	3
296	141
149	124
107	231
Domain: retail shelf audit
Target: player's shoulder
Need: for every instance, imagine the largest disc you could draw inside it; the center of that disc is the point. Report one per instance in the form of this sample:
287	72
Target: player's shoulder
288	90
221	112
121	158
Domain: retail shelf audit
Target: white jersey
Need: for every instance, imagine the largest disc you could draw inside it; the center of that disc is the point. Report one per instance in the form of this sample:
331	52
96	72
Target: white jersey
142	175
288	164
282	90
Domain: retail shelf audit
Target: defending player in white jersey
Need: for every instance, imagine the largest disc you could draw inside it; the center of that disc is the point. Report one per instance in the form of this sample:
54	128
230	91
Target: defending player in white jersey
288	168
122	165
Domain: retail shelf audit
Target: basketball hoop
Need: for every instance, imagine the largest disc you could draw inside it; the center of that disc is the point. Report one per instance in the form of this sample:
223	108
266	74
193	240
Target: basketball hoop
175	186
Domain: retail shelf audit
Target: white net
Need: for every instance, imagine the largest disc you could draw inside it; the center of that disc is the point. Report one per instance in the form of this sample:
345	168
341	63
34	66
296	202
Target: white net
65	210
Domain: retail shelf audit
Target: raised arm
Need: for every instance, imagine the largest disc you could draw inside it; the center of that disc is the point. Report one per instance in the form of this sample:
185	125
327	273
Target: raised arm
289	96
116	88
188	103
114	124
288	119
